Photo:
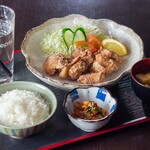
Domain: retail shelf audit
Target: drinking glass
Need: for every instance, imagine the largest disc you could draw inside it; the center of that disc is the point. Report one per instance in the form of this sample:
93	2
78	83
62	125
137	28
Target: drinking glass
7	26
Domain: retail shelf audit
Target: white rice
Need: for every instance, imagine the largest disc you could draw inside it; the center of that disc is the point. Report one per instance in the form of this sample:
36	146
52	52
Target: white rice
22	108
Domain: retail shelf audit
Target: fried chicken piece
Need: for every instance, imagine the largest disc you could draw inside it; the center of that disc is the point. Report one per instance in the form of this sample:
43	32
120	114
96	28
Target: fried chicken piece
78	52
77	69
85	54
103	56
113	66
109	65
92	78
54	63
64	72
117	58
103	61
109	60
72	61
107	54
97	67
88	57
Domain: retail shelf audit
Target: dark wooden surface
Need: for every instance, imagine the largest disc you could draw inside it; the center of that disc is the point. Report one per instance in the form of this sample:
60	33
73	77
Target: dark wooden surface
132	13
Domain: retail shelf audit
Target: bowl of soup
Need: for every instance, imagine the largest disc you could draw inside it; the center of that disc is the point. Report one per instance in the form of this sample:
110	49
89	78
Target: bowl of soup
140	79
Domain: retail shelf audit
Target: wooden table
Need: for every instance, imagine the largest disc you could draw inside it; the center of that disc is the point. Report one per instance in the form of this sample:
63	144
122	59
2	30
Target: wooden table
132	13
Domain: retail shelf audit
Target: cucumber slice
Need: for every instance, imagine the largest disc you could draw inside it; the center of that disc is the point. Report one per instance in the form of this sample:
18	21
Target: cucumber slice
79	35
67	35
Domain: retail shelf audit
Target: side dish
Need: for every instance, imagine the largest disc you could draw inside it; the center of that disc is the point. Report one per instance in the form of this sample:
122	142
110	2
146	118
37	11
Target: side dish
89	110
62	41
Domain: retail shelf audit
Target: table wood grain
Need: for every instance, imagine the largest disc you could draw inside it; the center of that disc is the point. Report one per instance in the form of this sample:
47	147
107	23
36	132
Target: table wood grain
132	13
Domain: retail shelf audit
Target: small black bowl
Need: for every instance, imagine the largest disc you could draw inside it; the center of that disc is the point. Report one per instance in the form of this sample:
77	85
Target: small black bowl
141	91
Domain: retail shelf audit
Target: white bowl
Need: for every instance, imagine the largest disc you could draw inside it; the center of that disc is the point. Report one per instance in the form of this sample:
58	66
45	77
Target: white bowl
99	95
35	57
47	94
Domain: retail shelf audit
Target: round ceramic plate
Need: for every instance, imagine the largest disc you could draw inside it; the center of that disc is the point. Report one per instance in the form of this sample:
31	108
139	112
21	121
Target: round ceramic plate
35	57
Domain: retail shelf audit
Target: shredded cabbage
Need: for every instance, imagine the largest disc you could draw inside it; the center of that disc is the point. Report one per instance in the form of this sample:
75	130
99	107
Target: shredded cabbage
54	43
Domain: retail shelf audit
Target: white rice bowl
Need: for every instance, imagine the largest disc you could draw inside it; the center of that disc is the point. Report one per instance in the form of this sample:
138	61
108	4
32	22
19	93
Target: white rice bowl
22	108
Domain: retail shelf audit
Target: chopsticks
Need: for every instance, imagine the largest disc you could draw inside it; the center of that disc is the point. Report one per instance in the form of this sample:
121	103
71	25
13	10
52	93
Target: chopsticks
5	69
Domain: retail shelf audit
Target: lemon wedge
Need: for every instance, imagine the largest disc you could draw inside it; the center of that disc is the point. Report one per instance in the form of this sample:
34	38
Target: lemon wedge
116	46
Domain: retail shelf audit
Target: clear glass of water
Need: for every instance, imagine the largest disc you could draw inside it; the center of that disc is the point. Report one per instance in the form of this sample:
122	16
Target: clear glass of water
7	27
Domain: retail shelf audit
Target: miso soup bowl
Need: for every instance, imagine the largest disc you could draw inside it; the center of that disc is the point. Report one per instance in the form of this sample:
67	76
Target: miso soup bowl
99	95
141	91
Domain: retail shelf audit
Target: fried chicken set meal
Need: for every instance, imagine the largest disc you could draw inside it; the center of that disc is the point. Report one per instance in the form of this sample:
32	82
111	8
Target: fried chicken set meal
90	57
